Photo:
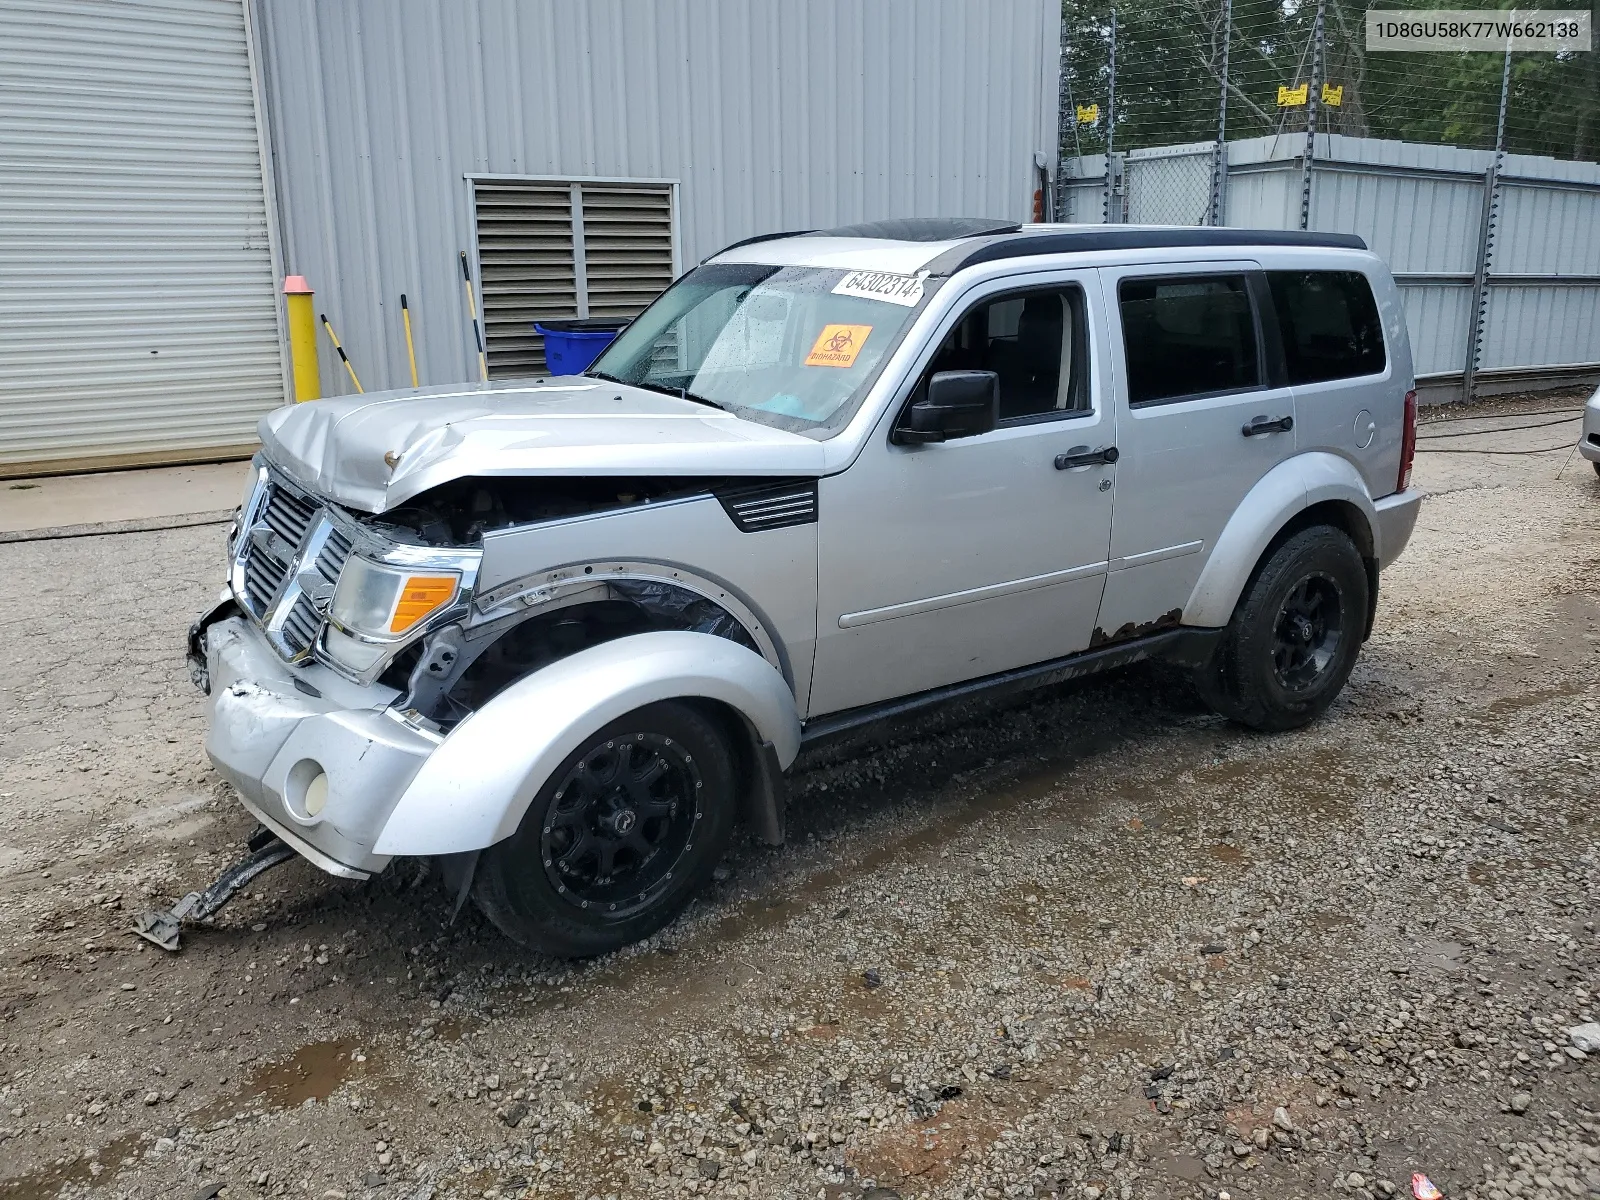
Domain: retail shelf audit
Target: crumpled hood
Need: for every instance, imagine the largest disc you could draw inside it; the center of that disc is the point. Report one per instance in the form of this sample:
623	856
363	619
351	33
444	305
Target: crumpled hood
376	451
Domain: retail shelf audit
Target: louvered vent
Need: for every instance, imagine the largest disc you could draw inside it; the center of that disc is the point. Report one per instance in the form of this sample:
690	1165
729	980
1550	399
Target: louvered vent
531	239
627	247
526	259
771	506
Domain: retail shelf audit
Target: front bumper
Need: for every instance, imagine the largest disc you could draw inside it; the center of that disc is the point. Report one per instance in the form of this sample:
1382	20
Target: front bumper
1397	517
274	728
1589	439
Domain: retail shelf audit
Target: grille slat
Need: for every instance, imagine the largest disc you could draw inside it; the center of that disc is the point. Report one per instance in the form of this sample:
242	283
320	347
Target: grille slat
288	515
301	625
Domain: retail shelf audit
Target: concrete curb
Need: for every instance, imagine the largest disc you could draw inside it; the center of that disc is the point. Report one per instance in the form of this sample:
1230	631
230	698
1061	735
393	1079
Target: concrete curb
103	528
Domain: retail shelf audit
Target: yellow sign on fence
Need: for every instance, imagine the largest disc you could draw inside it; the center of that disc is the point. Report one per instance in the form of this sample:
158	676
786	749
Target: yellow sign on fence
1332	96
1088	114
1293	97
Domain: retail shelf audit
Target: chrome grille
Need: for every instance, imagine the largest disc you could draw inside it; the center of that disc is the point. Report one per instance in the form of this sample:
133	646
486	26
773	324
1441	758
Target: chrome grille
287	561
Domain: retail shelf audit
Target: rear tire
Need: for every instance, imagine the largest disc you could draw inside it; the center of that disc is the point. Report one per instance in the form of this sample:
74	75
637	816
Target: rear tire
1597	468
1294	636
621	836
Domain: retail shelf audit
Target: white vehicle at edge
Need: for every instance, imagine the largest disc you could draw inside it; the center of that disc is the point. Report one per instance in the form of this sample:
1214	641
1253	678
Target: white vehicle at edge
562	634
1589	438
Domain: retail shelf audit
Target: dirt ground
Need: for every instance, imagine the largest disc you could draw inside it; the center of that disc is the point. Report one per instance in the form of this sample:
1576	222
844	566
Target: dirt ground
1097	944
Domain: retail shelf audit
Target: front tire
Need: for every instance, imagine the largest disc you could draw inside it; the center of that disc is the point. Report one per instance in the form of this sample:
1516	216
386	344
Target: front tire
621	836
1294	636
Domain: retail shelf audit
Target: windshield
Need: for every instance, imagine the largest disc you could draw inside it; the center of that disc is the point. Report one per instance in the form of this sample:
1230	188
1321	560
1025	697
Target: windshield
795	347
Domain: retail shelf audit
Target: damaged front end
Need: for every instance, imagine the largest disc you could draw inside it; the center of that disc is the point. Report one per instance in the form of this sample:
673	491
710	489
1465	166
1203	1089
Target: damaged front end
347	647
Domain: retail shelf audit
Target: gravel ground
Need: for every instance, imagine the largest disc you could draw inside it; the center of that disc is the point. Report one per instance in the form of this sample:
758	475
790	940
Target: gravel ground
1097	944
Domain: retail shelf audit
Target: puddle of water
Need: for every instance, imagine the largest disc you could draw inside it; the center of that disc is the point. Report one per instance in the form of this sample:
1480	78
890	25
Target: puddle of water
49	1182
311	1072
1532	698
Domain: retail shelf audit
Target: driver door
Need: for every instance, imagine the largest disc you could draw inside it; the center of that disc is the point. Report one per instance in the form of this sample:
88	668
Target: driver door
949	561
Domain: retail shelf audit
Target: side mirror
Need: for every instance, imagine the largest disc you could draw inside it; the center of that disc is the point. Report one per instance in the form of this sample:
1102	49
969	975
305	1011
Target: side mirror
957	404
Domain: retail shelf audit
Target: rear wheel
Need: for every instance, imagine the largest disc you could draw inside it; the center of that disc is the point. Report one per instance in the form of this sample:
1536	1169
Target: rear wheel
1294	636
618	840
1597	468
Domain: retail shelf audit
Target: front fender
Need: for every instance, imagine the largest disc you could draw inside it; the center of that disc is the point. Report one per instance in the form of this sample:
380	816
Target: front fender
473	790
1291	487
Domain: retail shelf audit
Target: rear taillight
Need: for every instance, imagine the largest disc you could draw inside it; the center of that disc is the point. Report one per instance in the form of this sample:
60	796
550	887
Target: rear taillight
1408	442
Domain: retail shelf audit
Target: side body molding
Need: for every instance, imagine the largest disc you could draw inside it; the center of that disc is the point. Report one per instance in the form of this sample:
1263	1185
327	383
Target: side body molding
1289	488
474	789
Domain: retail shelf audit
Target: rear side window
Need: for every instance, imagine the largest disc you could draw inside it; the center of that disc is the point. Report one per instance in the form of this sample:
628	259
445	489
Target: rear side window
1190	335
1329	323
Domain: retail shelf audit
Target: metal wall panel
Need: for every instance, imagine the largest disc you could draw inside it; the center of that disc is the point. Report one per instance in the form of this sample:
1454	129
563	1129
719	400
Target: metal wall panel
1541	326
1548	230
138	317
1437	318
770	114
1421	208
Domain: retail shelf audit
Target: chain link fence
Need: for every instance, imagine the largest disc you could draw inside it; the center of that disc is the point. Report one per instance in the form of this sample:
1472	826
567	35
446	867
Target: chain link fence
1183	76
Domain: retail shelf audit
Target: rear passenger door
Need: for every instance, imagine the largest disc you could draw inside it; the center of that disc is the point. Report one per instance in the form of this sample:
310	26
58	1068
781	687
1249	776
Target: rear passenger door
1347	399
1204	412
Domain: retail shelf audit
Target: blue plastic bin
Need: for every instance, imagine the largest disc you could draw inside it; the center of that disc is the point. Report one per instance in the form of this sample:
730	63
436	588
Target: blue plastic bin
570	346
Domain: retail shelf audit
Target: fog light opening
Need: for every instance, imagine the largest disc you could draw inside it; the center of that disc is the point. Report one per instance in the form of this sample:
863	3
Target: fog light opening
305	790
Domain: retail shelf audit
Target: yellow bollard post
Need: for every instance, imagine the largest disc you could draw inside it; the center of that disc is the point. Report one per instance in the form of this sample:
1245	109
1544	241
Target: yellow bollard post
302	338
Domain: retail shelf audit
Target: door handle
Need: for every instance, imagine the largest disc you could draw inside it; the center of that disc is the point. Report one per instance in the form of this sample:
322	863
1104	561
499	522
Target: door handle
1260	425
1082	456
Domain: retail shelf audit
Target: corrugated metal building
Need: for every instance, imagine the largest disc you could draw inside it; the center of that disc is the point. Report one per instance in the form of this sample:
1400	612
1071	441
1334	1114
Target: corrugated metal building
163	163
137	313
584	152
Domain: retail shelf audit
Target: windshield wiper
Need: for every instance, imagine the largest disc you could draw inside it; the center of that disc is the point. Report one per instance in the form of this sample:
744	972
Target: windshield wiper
686	394
681	393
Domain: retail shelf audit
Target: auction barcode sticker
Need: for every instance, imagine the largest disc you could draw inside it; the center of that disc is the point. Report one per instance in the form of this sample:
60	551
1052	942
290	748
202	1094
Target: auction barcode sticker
905	290
1455	30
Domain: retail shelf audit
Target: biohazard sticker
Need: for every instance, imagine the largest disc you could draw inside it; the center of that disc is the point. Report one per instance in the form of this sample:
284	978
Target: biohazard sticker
904	290
838	345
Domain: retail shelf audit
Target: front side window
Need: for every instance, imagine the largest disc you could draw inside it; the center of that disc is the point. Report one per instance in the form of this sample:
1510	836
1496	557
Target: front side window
1037	342
795	347
1329	323
1188	335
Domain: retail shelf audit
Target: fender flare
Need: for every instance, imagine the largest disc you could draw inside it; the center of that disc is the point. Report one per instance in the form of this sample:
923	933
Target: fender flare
474	789
1287	490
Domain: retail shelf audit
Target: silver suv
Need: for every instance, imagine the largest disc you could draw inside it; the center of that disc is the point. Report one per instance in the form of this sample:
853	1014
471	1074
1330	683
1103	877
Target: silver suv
564	634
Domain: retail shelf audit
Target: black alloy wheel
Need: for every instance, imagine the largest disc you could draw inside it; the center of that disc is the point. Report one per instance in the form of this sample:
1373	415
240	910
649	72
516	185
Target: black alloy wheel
1295	633
621	821
619	838
1306	637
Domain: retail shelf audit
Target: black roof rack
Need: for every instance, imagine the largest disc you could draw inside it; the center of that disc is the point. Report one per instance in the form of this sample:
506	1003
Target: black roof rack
1100	237
922	229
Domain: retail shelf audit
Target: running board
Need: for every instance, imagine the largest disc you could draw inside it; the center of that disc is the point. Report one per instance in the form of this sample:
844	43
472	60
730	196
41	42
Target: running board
1186	645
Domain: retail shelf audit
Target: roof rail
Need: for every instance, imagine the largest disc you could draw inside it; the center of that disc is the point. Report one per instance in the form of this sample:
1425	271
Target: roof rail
923	229
1100	237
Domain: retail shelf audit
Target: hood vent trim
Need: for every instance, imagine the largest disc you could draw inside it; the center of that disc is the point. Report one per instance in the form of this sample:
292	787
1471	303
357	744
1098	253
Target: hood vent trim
775	505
